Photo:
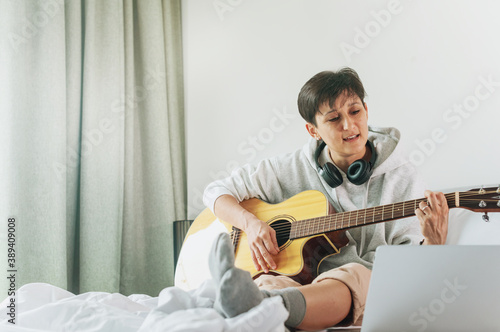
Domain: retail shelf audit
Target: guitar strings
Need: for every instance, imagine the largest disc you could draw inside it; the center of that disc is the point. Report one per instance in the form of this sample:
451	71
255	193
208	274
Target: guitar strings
322	220
409	206
334	218
379	210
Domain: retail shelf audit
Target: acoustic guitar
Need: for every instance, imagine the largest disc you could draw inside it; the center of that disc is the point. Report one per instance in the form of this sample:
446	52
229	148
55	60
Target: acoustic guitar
308	230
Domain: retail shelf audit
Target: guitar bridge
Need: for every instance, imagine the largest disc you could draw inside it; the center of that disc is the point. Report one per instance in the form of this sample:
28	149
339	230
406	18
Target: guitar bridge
235	237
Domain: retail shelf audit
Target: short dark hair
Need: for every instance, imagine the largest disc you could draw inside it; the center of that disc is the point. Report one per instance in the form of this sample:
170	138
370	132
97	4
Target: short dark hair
326	86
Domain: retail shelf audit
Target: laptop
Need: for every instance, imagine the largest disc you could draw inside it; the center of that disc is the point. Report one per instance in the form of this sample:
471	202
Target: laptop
434	288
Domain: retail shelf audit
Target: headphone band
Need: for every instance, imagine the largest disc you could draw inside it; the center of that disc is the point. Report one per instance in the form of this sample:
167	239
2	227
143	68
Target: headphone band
318	152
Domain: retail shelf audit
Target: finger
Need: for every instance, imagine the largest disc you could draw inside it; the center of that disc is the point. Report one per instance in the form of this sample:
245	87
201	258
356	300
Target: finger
275	243
255	261
266	256
257	250
439	203
269	260
271	242
420	215
271	245
423	206
442	200
434	198
262	263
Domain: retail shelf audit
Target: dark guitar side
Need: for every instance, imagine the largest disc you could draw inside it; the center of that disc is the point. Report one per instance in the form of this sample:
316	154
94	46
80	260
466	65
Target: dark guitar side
315	250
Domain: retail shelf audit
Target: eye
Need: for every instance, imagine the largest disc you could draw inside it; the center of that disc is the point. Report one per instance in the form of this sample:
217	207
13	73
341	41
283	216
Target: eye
334	119
356	112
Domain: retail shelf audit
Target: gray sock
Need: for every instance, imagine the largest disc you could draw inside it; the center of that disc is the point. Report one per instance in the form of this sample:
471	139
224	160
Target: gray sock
236	291
221	257
294	302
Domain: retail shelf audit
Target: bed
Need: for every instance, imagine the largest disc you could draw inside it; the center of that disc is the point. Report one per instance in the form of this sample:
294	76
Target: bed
44	307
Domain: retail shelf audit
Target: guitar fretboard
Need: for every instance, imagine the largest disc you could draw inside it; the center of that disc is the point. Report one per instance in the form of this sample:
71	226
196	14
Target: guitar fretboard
351	219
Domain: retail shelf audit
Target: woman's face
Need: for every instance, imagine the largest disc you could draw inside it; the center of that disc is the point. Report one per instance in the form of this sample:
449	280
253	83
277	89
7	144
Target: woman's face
343	127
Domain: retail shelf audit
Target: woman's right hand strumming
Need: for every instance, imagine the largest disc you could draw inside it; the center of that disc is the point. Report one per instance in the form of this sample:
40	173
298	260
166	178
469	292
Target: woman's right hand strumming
263	243
261	237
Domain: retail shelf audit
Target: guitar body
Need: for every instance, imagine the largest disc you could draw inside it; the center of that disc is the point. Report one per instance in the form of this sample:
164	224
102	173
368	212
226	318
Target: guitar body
299	258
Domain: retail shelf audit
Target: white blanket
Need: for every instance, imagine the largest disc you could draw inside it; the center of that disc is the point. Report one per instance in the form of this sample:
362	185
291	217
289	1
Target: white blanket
43	307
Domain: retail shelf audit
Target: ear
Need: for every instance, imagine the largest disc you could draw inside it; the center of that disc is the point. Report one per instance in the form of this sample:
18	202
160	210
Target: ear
313	131
366	108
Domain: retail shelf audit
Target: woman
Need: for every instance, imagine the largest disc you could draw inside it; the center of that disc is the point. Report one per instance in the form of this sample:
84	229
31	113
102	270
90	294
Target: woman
355	166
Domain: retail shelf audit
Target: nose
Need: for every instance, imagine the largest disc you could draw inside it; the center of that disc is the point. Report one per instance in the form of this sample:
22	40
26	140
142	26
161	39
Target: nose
347	123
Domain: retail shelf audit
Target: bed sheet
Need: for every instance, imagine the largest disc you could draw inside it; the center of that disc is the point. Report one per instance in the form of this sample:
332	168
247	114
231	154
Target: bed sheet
44	307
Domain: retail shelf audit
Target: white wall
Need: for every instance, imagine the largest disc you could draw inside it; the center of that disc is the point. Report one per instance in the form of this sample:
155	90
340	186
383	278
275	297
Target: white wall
245	62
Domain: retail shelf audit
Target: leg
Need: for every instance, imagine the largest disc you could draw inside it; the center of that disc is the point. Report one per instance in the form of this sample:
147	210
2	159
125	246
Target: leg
352	282
327	304
336	296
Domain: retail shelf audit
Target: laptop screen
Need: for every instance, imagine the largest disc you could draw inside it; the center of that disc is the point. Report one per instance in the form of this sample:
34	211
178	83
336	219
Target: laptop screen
434	288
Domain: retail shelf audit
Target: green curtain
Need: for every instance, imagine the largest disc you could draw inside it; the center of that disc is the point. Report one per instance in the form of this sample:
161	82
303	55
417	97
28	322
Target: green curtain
92	142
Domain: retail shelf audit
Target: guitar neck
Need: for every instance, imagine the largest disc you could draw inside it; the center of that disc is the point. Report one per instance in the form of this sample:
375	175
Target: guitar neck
351	219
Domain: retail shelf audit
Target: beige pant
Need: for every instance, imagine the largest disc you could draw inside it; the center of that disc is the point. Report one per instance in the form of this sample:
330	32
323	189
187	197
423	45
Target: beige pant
355	276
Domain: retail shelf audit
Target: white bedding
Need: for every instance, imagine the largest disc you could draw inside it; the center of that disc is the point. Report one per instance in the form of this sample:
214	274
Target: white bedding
43	307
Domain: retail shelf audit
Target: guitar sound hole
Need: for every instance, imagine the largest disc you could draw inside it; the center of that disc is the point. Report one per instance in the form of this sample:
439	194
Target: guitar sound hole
282	228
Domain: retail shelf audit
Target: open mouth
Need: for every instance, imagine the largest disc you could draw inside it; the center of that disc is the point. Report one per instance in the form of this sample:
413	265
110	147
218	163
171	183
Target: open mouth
351	138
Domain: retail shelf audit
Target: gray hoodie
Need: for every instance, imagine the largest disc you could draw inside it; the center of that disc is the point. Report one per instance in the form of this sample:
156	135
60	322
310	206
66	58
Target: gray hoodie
393	180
